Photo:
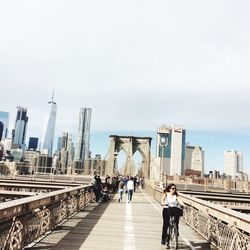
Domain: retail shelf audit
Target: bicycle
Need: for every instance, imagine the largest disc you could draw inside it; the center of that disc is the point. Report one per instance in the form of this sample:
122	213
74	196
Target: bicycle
172	234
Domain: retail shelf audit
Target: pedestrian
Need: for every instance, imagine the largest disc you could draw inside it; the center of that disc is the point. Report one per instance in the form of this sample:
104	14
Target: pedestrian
142	182
104	196
130	188
134	180
114	184
125	183
97	186
120	189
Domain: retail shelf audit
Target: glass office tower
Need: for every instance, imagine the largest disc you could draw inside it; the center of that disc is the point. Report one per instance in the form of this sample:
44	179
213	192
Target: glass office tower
4	119
19	133
48	131
83	135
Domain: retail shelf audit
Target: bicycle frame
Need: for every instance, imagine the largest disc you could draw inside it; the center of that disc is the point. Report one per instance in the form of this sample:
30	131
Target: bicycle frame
172	233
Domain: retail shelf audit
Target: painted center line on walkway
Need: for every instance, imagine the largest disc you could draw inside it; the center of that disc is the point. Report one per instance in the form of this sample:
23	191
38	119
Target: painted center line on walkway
129	235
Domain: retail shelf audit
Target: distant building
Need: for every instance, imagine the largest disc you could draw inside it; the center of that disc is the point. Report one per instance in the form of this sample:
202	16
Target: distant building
70	149
31	157
66	154
98	165
4	119
194	159
173	153
191	172
233	163
1	151
55	164
59	143
63	161
64	142
78	166
47	139
216	174
239	162
44	164
17	154
19	133
83	135
33	143
7	143
1	130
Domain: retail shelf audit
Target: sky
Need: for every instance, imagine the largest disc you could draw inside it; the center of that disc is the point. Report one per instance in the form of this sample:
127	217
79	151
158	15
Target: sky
137	64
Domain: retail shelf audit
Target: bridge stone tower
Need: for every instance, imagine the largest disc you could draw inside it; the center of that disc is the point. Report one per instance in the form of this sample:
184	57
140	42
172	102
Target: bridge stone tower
130	144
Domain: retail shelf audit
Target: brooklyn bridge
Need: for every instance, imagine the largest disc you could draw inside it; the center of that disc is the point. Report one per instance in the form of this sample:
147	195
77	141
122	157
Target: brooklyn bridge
41	212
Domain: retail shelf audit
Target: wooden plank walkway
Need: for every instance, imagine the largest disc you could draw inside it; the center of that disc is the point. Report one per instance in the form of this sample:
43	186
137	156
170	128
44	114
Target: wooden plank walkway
115	226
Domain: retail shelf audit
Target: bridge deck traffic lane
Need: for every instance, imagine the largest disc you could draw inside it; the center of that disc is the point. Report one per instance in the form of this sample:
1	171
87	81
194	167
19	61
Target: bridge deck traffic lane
136	226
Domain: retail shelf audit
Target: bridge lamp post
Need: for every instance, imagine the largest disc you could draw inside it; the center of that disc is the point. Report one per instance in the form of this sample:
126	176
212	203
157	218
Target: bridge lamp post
115	162
163	144
52	173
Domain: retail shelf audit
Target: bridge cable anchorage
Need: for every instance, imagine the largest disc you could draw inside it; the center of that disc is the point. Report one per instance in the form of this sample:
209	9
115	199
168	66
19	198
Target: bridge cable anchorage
98	165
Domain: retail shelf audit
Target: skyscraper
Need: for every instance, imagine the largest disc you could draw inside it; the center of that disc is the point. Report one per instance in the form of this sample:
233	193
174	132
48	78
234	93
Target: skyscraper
59	143
174	151
239	161
4	118
1	130
83	134
33	142
65	138
48	131
194	159
233	162
19	133
66	154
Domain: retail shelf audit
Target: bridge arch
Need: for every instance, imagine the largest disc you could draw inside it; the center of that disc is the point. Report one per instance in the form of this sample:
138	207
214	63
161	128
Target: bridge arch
130	145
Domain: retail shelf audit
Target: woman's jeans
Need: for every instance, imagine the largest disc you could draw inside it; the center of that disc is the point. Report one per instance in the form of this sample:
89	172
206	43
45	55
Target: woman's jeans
130	194
120	192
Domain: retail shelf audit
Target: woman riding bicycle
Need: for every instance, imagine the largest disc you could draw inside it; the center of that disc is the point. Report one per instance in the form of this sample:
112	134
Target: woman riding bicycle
171	202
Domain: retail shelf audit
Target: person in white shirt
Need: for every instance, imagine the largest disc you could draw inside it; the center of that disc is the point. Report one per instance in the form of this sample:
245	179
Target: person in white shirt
171	202
130	188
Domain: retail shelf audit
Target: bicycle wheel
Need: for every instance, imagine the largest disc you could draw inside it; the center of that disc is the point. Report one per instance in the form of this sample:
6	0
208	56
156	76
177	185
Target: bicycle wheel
173	234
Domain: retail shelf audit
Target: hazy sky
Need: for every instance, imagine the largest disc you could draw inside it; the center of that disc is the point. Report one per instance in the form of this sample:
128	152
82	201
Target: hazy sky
138	64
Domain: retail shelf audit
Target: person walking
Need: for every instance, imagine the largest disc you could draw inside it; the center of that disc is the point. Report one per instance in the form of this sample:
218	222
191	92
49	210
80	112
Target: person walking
125	183
142	182
97	186
135	183
130	188
171	202
120	189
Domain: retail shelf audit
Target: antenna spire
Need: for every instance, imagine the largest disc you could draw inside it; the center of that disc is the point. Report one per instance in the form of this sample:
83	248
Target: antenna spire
53	94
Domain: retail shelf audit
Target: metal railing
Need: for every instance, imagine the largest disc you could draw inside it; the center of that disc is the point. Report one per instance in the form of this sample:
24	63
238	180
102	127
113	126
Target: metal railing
223	227
25	220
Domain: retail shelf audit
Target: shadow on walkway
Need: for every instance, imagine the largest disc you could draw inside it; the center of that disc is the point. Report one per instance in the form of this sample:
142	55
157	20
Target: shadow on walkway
78	234
196	245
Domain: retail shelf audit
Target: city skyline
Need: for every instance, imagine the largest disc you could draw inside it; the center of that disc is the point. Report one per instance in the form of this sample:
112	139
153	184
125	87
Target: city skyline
225	140
163	93
138	67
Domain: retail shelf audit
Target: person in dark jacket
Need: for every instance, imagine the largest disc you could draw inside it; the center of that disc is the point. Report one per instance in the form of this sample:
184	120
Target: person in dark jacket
97	185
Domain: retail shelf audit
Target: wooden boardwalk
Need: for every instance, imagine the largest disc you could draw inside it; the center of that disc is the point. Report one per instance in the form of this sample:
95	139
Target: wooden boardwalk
115	226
